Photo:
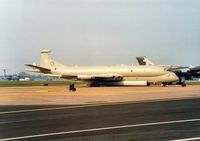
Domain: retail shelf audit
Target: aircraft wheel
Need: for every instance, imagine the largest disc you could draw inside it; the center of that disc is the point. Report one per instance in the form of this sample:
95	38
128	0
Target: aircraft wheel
163	85
183	85
72	87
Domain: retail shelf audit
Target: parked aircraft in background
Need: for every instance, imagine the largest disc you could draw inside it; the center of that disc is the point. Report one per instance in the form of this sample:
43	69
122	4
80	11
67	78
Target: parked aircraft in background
22	76
183	72
104	75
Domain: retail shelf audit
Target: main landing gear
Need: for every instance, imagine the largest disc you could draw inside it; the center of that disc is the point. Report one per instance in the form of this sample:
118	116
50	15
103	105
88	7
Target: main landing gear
72	87
163	85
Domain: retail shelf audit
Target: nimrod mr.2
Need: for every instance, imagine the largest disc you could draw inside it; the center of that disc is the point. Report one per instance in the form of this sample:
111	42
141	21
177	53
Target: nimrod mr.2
105	75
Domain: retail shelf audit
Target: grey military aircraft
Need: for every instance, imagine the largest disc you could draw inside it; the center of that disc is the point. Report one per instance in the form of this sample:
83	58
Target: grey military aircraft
183	72
119	75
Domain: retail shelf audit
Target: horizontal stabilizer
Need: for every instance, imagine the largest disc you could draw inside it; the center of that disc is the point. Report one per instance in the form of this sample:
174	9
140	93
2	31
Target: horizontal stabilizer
38	67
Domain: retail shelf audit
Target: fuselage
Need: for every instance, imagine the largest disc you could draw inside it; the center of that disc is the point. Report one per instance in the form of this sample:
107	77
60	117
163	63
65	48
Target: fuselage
151	74
109	75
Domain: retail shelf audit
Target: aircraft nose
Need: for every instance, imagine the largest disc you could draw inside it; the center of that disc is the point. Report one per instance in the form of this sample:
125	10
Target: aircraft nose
173	76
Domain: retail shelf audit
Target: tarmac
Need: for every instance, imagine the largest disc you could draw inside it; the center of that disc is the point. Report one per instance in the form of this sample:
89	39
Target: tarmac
176	120
59	95
100	114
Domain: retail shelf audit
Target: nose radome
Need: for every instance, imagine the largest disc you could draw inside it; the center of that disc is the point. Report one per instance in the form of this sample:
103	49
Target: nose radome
173	76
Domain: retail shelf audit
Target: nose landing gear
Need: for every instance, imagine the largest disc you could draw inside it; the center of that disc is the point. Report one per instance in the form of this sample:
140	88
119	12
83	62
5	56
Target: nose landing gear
183	84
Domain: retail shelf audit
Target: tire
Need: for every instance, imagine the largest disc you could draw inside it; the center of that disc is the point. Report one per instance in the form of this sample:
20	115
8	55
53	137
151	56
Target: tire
183	85
163	85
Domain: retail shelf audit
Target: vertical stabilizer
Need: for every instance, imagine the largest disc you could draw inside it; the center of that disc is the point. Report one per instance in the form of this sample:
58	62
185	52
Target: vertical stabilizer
47	62
143	60
44	60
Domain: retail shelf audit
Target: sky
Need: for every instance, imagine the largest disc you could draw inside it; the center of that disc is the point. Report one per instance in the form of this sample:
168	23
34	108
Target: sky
99	32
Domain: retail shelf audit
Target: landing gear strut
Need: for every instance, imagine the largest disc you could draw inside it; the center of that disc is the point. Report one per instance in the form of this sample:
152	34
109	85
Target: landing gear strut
72	87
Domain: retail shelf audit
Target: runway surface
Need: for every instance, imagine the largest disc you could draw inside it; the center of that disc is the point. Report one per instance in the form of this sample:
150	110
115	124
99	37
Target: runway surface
167	120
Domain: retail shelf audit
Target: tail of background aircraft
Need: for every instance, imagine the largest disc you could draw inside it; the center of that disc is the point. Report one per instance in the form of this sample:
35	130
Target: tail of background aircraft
48	63
143	60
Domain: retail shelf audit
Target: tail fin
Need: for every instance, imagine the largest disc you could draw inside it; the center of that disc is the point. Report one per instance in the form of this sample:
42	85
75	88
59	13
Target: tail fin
44	60
48	63
143	60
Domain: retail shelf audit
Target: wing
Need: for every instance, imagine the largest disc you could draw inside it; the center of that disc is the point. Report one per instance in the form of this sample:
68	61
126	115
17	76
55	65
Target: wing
62	76
103	77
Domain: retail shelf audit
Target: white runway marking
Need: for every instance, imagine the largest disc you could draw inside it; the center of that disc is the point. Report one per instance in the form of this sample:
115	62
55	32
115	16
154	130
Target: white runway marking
188	139
101	129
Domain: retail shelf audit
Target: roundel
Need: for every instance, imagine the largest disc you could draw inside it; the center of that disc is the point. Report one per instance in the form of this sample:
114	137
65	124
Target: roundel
52	63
